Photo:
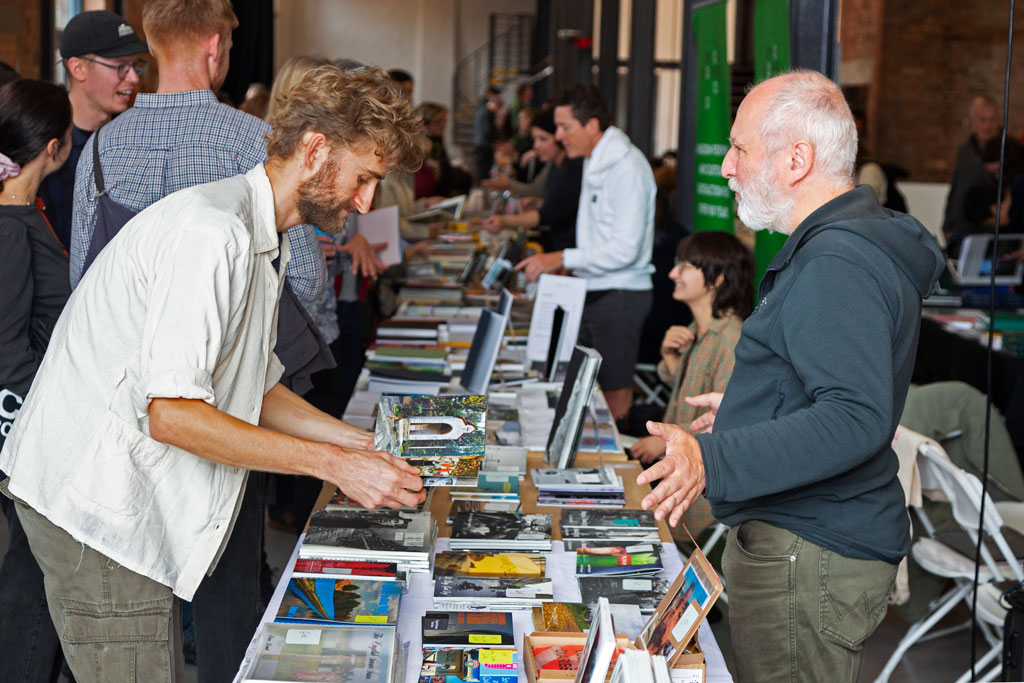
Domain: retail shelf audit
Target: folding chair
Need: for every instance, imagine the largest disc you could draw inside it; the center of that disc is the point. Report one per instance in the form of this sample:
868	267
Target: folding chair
963	491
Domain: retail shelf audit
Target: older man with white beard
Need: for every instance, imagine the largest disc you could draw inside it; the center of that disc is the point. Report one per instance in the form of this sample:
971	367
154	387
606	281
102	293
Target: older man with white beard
799	463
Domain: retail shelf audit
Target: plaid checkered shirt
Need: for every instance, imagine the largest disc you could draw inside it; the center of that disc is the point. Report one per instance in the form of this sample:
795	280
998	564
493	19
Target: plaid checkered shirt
171	141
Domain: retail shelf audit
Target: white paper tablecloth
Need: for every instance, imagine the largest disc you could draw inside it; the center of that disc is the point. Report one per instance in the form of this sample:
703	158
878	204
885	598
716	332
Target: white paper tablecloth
561	569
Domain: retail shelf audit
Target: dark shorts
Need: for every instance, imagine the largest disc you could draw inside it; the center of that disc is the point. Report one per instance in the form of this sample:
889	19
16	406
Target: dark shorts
612	322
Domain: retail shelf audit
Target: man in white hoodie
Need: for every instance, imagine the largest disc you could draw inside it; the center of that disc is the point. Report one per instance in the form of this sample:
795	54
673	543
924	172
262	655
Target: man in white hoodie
614	236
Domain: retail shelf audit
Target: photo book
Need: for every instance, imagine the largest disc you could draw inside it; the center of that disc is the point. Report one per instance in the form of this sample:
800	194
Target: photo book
293	652
501	531
641	559
681	611
467	629
571	410
644	592
341	602
443	436
491	593
488	564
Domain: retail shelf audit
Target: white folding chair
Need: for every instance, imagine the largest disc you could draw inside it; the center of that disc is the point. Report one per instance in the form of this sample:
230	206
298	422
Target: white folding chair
963	491
653	390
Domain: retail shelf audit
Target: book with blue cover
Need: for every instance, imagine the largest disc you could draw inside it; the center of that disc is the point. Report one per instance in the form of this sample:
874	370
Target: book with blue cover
340	601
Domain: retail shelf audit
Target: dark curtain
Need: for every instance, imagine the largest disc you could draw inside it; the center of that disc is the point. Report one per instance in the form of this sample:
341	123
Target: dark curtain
252	51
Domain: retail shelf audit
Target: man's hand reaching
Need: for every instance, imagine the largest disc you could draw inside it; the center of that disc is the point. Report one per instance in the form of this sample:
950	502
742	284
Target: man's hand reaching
376	479
681	472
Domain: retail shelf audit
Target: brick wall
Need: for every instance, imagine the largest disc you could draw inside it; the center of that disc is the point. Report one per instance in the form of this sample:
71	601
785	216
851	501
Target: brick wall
21	31
934	57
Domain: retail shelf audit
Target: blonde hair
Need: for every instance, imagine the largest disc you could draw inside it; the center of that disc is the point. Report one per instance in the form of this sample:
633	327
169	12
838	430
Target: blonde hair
288	76
173	23
350	109
430	111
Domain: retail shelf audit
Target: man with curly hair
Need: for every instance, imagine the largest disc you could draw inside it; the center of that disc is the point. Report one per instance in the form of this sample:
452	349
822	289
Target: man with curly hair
160	390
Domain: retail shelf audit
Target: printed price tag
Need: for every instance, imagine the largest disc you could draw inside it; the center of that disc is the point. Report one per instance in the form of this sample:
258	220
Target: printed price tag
685	622
302	636
484	639
497	656
636	584
687	676
642	548
371	619
626	522
588	478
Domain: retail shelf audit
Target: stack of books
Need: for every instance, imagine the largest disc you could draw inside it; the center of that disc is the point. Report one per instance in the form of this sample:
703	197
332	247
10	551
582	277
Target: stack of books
494	492
640	666
408	368
491	593
339	501
410	332
604	528
504	459
579	487
443	436
503	420
404	538
501	531
460	647
476	665
467	630
310	568
631	560
294	652
488	564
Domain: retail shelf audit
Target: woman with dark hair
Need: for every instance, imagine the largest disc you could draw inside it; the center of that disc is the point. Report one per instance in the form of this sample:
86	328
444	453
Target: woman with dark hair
35	140
557	210
714	277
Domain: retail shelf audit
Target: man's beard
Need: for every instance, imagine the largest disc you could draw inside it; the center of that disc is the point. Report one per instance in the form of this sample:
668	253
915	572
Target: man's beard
763	204
317	203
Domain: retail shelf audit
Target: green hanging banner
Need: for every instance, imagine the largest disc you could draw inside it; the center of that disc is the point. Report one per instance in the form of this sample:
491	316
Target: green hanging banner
771	57
713	200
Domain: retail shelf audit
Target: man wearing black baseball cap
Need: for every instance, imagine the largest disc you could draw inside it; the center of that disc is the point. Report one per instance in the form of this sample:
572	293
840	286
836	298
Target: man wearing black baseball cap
100	53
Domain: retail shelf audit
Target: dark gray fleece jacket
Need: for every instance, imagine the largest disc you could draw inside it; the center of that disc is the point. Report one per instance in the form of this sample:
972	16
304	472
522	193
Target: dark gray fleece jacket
802	438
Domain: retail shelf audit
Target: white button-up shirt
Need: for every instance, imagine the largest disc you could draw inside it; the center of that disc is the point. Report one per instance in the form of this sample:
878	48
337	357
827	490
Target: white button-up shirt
181	304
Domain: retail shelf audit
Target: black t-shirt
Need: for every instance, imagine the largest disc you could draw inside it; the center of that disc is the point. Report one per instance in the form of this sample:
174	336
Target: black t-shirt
561	199
34	286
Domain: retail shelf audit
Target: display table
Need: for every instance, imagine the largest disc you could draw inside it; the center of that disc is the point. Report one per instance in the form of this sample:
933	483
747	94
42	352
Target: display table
561	569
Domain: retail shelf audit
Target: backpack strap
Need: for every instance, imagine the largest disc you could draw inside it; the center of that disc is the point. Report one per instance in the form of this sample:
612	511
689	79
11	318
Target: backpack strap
97	171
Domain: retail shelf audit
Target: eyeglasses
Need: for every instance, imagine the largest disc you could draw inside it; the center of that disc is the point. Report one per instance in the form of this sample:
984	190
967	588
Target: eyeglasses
138	66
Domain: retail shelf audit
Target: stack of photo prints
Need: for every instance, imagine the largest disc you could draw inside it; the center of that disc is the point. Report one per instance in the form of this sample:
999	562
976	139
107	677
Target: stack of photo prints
579	487
469	646
405	538
494	492
501	531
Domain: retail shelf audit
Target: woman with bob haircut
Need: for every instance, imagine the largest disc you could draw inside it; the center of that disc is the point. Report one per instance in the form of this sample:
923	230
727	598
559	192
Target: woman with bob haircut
714	277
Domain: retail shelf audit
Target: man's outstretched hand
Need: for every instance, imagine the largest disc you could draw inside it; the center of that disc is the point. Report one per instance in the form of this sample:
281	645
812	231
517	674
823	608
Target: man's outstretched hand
681	472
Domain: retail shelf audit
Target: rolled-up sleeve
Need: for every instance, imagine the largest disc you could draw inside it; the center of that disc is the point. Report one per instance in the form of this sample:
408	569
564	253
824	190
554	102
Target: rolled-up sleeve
275	371
196	299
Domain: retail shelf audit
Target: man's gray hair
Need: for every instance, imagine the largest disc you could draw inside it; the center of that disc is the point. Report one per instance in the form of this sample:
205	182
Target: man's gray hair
809	106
